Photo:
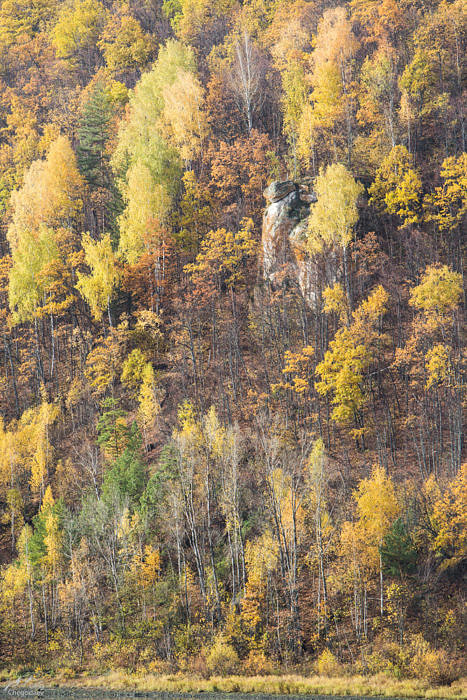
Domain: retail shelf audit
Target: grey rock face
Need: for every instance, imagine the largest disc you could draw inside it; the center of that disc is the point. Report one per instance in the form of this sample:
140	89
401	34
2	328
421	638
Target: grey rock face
278	222
278	190
283	240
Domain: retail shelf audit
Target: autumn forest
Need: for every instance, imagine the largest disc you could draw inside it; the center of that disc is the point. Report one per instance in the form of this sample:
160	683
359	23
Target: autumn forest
232	357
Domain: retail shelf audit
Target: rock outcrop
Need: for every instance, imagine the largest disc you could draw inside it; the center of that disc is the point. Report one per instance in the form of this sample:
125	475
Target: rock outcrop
284	227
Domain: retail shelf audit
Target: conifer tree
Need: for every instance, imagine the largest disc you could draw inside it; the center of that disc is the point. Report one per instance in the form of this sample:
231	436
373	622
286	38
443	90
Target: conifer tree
398	552
93	133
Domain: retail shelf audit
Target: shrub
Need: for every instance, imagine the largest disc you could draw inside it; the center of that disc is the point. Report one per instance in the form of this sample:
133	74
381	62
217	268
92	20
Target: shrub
432	665
189	639
198	665
256	664
388	657
160	666
222	659
327	664
68	673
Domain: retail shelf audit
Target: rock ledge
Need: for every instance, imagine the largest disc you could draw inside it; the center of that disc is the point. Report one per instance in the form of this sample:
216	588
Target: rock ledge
284	231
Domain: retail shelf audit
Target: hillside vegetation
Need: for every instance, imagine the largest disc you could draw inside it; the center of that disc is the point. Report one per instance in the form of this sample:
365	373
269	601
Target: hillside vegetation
204	469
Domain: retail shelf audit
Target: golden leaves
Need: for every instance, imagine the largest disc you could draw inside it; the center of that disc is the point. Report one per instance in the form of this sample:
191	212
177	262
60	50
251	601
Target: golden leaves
334	215
438	293
98	286
223	254
349	355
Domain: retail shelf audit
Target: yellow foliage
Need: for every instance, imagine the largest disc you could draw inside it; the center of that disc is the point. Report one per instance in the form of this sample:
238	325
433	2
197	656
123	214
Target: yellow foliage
48	500
33	440
98	286
32	258
335	44
341	372
103	362
183	114
44	210
78	28
438	293
13	515
51	193
186	415
224	254
261	557
437	364
397	186
195	15
295	89
450	518
149	407
147	202
7	455
328	664
124	44
145	569
349	355
298	365
335	301
369	312
132	370
14	581
288	510
433	665
53	542
377	509
334	215
222	659
448	203
147	165
150	566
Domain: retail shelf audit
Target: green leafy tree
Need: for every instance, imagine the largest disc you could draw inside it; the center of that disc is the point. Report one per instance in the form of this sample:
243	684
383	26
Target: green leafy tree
95	131
27	285
146	161
51	194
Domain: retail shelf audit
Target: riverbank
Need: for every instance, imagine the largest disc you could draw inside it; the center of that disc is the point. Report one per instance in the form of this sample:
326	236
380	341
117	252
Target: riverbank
119	682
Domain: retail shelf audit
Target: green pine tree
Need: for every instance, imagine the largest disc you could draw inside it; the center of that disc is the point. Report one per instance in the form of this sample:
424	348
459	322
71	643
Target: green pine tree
398	552
94	131
93	134
127	475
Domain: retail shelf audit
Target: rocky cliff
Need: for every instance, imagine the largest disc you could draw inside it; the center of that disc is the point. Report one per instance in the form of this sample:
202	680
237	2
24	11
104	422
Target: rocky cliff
284	226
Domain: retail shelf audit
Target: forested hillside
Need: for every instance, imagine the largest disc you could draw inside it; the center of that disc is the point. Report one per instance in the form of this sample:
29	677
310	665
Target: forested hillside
216	455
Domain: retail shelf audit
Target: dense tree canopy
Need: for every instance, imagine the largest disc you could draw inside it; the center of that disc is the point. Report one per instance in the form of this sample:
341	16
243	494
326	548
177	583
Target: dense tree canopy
202	467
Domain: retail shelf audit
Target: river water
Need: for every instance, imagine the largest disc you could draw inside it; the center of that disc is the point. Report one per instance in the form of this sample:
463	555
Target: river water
14	691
